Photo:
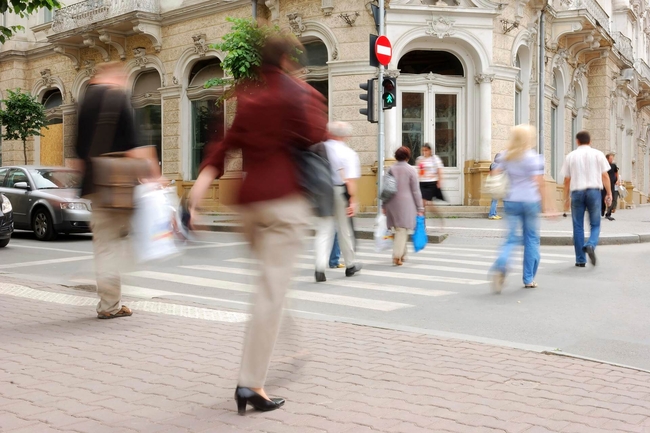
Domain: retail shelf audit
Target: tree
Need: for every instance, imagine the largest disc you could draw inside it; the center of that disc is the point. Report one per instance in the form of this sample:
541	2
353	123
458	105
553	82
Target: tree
243	48
23	116
22	8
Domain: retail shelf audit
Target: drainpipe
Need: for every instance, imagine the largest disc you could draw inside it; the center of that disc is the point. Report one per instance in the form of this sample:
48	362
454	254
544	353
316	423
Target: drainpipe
254	10
540	70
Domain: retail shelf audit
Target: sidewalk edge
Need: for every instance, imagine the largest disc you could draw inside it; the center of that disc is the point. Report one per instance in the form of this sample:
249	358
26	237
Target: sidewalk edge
587	358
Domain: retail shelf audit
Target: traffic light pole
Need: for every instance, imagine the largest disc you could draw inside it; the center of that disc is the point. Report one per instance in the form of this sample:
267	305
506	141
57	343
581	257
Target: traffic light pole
380	118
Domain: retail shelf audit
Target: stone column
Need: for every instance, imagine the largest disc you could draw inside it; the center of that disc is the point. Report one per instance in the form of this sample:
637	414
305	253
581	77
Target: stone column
485	116
69	133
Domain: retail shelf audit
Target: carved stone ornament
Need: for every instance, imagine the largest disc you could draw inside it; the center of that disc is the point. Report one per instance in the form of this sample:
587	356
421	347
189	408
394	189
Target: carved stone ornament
89	67
562	56
392	73
46	78
72	100
440	27
335	53
296	24
629	131
175	80
275	10
327	6
200	47
140	55
484	78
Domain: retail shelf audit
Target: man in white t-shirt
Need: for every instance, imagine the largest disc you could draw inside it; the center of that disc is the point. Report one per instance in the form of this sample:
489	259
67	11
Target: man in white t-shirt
346	169
585	174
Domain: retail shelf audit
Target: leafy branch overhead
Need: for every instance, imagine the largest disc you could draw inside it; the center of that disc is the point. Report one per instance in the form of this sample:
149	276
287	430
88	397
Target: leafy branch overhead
22	8
243	48
22	117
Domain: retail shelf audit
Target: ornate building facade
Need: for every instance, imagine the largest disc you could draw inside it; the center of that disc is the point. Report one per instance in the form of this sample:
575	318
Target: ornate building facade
467	70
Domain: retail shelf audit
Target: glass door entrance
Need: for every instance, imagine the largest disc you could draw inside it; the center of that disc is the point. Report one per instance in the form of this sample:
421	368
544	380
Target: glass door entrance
430	114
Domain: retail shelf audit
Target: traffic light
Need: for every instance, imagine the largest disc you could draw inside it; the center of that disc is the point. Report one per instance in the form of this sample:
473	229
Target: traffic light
389	93
370	112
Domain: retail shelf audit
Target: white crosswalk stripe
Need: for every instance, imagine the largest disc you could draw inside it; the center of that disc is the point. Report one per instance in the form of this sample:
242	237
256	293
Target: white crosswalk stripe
328	298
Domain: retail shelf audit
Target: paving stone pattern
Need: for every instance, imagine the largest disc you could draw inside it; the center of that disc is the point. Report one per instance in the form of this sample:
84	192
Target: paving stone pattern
62	370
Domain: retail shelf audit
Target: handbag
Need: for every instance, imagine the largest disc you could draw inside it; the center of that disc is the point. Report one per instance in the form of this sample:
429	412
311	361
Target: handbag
389	187
497	185
114	174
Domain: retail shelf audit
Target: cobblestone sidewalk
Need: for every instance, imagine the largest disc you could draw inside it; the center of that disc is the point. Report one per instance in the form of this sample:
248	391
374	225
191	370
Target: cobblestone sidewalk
171	368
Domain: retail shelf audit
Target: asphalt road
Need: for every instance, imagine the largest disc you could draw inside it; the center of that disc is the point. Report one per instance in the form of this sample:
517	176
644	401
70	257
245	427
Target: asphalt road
600	312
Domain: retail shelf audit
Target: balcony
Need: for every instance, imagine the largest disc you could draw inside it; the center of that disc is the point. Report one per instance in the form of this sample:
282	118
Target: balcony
593	10
624	46
90	12
643	69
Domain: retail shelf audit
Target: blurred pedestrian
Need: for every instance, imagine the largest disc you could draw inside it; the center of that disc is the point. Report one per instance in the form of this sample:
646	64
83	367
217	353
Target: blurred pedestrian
606	210
106	125
585	174
525	170
430	175
346	169
405	205
284	112
493	205
335	255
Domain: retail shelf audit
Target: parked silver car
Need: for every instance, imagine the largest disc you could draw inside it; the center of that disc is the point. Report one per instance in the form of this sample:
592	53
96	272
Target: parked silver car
46	200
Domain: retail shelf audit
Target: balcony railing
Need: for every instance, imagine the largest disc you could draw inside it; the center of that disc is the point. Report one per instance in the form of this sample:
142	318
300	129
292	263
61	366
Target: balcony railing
92	11
643	69
591	6
624	45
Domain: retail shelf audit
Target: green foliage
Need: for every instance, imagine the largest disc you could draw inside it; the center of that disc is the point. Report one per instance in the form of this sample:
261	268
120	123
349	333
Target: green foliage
243	48
22	116
22	8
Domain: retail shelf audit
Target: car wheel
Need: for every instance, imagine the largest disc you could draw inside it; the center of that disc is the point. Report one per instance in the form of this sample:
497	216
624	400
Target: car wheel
4	242
42	225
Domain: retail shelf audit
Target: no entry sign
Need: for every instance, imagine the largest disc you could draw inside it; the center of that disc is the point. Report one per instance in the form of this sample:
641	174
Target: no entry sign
383	50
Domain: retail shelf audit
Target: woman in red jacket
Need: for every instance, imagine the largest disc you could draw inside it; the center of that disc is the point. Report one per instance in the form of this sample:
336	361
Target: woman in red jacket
282	113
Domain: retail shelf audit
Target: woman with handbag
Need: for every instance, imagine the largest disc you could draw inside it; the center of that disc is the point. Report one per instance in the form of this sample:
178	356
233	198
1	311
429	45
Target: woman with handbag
268	125
524	169
403	207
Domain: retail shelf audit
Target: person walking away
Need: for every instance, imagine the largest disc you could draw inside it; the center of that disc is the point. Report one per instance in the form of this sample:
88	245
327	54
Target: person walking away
106	125
493	205
585	174
269	120
525	170
430	175
346	169
607	211
401	210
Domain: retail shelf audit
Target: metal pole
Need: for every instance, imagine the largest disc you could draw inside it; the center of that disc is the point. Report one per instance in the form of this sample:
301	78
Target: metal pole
254	9
380	117
540	88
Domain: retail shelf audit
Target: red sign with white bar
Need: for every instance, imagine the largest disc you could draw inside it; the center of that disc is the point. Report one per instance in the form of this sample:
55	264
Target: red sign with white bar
383	50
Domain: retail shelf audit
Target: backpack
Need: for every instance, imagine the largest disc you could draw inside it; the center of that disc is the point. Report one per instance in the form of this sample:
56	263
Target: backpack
315	178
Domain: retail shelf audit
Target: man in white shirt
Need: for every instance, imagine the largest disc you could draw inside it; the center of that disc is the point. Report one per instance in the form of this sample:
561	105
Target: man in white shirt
346	169
585	174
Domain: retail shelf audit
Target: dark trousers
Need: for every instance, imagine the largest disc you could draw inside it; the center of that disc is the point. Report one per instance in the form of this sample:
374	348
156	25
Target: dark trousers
607	211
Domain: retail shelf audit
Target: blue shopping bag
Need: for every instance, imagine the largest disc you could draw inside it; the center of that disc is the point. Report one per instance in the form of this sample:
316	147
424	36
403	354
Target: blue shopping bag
420	238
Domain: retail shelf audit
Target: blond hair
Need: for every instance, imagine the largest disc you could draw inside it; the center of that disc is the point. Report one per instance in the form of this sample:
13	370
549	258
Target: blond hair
522	139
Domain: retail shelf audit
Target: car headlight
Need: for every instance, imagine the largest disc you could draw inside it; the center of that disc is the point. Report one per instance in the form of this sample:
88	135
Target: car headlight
74	206
6	205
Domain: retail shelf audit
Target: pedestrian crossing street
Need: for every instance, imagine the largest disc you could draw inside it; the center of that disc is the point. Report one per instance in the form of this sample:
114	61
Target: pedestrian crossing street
436	273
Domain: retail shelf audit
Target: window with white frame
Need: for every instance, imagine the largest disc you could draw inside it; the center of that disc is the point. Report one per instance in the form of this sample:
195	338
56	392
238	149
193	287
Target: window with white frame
147	106
47	15
315	58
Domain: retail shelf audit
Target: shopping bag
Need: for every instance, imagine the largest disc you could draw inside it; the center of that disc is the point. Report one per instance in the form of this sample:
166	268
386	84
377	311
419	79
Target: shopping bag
152	230
497	185
383	236
420	237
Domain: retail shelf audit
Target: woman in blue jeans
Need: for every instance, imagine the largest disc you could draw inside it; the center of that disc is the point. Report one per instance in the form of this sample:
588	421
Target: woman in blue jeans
523	204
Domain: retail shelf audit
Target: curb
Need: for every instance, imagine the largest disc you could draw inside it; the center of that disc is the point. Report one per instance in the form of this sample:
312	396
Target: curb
620	239
359	234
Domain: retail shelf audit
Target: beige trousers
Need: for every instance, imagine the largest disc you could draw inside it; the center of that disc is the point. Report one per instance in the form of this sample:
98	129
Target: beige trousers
400	242
275	230
112	253
344	228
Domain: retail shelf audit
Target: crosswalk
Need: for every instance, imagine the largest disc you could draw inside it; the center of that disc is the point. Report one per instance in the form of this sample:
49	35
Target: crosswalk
433	274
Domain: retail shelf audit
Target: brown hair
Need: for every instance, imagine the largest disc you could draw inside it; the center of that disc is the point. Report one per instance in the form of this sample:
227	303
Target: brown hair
403	154
276	47
583	137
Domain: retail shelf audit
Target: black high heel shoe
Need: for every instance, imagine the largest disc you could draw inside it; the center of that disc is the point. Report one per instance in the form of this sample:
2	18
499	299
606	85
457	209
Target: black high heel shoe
245	396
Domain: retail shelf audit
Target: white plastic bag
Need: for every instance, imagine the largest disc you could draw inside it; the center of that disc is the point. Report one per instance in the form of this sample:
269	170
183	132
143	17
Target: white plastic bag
153	237
383	236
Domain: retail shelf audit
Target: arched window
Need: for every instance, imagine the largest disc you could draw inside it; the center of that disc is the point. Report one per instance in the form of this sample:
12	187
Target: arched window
148	114
52	100
208	120
314	59
437	62
557	123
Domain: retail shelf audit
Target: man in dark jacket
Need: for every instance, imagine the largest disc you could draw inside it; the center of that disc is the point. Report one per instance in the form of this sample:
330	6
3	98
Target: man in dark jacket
106	104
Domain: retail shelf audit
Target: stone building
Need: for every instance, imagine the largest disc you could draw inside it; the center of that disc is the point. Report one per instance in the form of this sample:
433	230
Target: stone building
467	70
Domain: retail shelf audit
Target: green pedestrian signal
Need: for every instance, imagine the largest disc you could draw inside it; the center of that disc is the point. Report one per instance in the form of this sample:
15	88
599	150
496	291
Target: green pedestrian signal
389	92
